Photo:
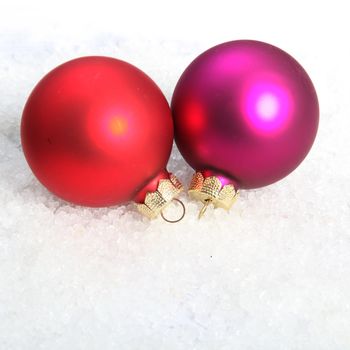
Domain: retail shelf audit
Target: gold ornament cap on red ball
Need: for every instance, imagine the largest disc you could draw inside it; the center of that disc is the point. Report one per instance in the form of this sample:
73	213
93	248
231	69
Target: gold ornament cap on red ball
211	190
155	202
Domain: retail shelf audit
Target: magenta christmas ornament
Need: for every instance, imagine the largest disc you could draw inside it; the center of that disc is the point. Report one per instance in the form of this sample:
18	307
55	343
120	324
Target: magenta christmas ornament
246	115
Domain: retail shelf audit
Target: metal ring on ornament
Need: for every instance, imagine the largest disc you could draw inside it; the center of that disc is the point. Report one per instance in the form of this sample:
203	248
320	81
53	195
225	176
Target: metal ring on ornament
181	217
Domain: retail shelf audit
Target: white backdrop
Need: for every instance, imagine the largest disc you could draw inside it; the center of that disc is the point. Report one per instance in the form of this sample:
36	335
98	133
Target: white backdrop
273	273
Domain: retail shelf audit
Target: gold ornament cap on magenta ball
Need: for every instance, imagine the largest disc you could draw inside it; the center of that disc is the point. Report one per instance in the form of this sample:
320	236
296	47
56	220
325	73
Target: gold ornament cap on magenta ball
211	190
155	202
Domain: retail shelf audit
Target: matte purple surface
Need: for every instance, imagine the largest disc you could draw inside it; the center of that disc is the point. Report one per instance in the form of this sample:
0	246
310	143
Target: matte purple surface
246	110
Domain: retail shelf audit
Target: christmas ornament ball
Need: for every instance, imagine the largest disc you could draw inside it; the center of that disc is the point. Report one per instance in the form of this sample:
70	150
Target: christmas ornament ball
97	131
246	113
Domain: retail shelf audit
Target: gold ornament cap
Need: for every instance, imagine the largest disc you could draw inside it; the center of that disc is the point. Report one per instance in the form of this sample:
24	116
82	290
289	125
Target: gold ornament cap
210	190
155	202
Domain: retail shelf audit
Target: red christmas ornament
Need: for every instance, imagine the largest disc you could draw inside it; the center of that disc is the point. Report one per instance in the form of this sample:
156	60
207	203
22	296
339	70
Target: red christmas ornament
97	131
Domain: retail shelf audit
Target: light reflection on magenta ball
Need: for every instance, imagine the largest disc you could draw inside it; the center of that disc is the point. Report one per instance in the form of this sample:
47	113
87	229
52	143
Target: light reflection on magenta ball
246	110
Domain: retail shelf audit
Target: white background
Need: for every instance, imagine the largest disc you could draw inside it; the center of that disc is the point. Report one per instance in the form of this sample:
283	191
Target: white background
274	273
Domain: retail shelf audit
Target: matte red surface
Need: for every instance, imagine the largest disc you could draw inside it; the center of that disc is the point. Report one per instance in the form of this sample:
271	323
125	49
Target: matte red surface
246	110
96	130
